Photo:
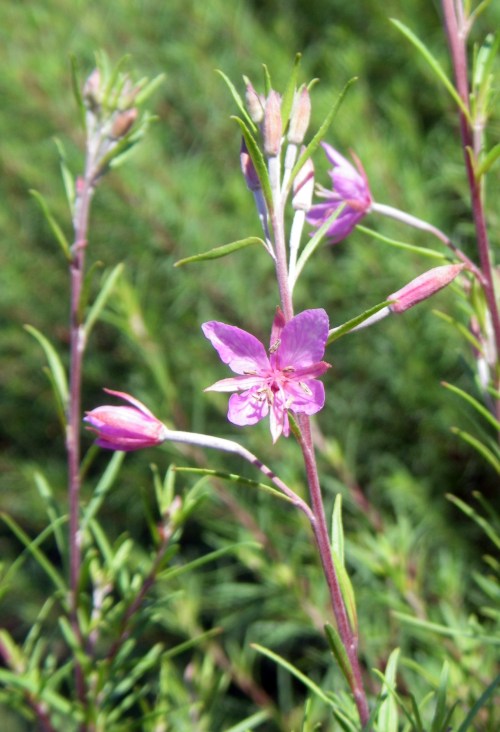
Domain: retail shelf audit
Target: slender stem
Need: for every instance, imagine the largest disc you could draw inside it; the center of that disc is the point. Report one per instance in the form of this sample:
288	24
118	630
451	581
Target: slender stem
456	29
417	223
347	633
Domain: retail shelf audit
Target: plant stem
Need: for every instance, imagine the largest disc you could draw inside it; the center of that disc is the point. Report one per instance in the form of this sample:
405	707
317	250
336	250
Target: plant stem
77	347
457	35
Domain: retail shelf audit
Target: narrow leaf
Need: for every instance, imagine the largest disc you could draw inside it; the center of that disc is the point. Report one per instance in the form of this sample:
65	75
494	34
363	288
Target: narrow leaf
338	529
259	163
288	96
481	702
55	365
295	672
54	226
388	711
239	101
423	251
53	510
102	298
68	180
489	160
255	720
149	89
347	327
474	402
235	478
440	711
339	653
433	63
481	448
102	488
75	81
479	520
221	251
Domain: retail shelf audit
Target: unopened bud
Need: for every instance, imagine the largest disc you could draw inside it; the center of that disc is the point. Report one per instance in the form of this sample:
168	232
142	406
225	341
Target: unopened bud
254	104
424	286
248	168
123	122
300	116
272	125
303	187
91	90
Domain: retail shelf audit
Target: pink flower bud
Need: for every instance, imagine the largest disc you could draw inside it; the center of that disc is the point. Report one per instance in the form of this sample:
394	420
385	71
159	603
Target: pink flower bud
123	122
272	126
91	90
125	428
424	286
303	187
300	116
254	104
248	168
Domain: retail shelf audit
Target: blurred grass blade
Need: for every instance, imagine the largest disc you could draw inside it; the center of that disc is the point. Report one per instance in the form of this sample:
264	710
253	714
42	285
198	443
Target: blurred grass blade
53	510
320	134
316	690
438	720
55	365
474	402
102	298
483	699
149	89
221	251
461	328
433	63
170	573
424	251
54	226
32	546
239	101
388	710
75	81
479	520
481	448
255	720
102	489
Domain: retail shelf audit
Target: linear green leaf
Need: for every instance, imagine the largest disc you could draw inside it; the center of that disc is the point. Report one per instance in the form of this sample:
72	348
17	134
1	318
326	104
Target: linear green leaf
55	364
259	163
235	478
54	226
102	298
354	322
479	704
475	403
288	96
433	63
481	448
490	159
480	520
221	251
424	251
237	98
340	653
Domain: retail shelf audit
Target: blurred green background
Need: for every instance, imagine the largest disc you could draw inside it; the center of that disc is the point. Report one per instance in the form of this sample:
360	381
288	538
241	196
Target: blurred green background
387	417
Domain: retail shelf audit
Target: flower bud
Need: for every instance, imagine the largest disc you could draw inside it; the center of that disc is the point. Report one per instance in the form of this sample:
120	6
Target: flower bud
300	116
272	126
254	104
248	168
91	91
424	286
303	187
125	428
123	122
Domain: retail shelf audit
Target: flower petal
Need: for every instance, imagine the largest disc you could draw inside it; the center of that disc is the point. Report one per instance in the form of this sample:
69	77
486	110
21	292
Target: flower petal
247	408
236	383
303	339
242	352
305	397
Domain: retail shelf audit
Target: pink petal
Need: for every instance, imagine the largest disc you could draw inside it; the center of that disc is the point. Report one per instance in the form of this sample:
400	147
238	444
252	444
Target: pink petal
305	397
278	325
128	398
278	418
247	408
303	339
240	350
236	383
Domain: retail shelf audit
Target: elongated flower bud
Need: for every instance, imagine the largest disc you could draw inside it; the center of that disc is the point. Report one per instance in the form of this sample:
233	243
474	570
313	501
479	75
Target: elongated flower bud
125	428
254	104
248	168
303	187
272	126
424	286
123	122
300	116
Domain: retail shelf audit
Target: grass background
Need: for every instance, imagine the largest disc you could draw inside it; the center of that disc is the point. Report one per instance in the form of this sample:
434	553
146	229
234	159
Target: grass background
387	418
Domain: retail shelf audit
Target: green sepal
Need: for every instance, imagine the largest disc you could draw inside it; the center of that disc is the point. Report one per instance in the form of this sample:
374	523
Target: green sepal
54	226
221	251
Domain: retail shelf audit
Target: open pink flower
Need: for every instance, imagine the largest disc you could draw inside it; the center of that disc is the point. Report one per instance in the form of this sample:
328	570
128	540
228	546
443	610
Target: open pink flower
125	428
350	188
283	380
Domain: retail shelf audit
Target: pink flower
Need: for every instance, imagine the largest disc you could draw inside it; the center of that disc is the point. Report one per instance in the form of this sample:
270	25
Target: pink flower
283	380
423	286
125	428
350	188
